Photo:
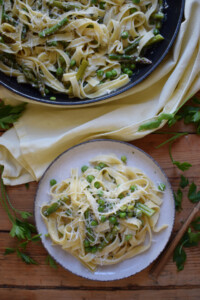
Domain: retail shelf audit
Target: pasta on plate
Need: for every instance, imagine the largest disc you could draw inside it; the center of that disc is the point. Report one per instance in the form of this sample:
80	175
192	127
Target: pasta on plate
105	215
84	49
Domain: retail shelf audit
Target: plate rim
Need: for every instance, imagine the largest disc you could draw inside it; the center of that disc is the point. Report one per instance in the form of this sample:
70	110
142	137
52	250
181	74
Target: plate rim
129	145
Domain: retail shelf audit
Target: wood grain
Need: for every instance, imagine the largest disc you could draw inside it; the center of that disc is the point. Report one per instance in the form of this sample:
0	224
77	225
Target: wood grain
23	281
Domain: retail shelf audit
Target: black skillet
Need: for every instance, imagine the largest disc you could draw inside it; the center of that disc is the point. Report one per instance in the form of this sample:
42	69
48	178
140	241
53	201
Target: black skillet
174	14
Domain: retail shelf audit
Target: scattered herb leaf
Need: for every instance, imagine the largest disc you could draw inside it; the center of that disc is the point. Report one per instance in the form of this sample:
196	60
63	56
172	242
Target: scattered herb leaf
193	195
50	261
10	114
178	199
184	182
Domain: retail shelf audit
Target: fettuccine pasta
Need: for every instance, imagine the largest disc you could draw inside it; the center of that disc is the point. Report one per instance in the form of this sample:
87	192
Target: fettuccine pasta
84	49
105	215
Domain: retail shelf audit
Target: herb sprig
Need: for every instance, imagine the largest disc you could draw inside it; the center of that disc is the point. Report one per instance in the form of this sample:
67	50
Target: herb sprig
10	114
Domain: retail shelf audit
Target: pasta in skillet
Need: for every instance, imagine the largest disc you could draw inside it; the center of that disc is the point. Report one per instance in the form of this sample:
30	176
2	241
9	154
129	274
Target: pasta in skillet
85	48
105	215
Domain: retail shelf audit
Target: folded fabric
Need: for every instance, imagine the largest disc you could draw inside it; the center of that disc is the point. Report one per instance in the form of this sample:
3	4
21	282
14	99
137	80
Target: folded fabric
43	132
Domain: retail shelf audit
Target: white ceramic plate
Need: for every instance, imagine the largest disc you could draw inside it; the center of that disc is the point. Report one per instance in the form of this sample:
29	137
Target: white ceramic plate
80	155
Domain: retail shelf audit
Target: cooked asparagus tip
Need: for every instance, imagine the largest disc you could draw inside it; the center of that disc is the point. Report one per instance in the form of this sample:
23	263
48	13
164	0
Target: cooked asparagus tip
51	209
132	46
155	39
125	58
10	61
6	18
81	71
145	209
61	5
53	29
158	16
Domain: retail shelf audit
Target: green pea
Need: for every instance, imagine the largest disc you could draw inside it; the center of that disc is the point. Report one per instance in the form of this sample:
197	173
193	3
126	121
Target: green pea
133	10
94	223
113	220
102	5
108	74
100	193
100	73
46	91
122	215
97	185
52	182
136	1
129	73
59	72
84	168
90	178
61	60
123	158
125	70
156	31
103	219
72	63
94	249
86	243
88	249
101	202
132	66
128	237
121	196
100	208
114	73
124	35
130	214
52	98
133	188
158	25
130	208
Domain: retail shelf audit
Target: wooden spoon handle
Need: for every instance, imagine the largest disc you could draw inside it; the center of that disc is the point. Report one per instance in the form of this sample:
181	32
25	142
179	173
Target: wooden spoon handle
157	267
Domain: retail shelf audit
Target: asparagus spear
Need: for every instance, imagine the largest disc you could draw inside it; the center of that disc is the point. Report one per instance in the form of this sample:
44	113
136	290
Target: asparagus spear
132	46
155	39
36	81
62	5
145	209
53	29
51	209
131	58
80	73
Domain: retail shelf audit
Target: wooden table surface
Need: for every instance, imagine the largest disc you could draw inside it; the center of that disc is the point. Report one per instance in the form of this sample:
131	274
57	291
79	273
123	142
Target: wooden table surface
21	281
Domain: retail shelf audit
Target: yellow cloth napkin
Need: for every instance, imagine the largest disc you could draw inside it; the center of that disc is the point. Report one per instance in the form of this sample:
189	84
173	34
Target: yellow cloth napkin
42	133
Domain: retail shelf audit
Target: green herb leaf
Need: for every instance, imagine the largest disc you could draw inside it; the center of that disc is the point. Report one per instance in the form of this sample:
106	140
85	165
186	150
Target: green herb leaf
179	257
182	166
184	182
50	261
9	251
196	224
178	199
27	259
25	214
194	238
193	195
27	185
10	114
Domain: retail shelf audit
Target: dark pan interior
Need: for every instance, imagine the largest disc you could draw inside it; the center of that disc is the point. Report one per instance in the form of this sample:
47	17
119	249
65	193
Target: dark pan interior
170	28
